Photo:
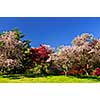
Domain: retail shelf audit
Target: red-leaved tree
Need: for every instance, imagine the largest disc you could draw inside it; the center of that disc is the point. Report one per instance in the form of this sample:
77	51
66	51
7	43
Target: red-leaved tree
39	57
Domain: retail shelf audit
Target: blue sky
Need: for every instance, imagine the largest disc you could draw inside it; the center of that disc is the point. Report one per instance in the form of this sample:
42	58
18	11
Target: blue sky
53	31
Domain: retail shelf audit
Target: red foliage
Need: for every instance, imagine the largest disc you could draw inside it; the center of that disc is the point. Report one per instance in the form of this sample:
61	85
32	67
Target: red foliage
39	55
97	72
75	70
62	73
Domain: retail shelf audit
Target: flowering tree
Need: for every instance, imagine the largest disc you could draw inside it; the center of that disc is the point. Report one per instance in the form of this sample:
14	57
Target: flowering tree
11	50
82	56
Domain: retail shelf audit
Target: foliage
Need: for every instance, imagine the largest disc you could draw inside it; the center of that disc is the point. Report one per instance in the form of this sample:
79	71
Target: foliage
80	58
19	35
38	69
97	72
55	70
41	54
39	57
11	53
17	56
2	43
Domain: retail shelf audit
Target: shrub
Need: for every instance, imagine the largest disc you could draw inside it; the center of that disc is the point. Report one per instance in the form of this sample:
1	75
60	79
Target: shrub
39	57
55	70
97	72
41	54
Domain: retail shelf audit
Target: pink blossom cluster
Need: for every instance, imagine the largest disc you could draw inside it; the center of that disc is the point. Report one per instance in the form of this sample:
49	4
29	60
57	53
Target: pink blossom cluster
85	51
11	51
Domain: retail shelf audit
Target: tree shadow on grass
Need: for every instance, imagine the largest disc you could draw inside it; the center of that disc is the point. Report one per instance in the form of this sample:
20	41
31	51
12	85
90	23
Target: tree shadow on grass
89	77
34	76
11	76
19	76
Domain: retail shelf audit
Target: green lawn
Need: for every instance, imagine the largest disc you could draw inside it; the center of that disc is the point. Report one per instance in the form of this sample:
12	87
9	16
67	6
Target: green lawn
48	79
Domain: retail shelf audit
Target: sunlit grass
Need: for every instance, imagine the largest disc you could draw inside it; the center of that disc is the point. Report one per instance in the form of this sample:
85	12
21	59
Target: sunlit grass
48	79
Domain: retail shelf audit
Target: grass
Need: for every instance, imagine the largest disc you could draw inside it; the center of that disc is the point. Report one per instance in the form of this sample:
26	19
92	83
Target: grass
48	79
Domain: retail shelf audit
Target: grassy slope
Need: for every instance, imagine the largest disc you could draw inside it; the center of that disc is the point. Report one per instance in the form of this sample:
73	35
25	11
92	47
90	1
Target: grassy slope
49	79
